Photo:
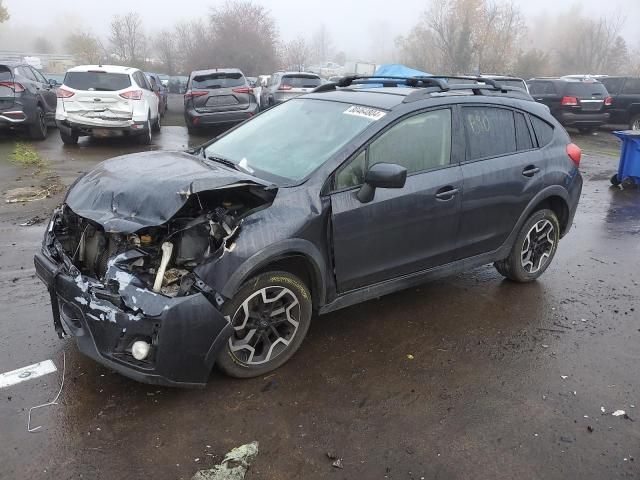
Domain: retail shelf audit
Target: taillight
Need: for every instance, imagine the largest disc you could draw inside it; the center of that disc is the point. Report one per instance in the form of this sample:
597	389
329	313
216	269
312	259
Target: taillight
193	94
608	101
15	86
132	95
569	101
575	154
242	90
285	87
64	93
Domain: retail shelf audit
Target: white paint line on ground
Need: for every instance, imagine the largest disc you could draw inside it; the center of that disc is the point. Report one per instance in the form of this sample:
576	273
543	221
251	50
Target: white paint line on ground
26	373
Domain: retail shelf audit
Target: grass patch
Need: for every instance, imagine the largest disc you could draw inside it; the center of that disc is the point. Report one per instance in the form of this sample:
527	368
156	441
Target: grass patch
27	156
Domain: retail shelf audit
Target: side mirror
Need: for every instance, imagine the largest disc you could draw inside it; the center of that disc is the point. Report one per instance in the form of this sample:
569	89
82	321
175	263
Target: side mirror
381	175
53	82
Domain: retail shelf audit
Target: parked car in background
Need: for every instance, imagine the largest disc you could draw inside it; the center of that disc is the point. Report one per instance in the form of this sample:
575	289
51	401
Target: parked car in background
507	80
625	105
161	91
220	96
575	103
283	86
27	100
54	79
178	84
164	79
105	101
222	254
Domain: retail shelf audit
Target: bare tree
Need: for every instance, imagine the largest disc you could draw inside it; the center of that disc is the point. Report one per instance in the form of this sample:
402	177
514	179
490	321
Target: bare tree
128	40
296	54
166	46
244	34
85	47
321	44
42	45
532	63
4	13
597	46
195	46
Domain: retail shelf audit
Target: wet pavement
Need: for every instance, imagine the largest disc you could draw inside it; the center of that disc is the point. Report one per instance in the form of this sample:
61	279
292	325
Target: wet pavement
468	377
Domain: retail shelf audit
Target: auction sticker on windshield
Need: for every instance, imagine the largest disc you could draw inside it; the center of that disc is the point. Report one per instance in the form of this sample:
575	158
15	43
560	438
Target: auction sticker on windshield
366	112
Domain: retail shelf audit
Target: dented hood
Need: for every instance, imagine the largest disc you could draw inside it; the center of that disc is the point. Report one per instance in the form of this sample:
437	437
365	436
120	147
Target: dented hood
127	193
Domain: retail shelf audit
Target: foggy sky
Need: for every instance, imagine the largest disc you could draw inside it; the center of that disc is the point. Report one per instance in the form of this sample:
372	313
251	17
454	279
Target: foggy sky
351	23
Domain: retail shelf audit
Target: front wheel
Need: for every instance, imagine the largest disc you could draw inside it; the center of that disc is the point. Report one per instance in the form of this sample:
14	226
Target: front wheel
69	138
534	248
157	125
270	316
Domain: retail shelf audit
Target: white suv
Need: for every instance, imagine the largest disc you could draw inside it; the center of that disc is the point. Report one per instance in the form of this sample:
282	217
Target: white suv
104	101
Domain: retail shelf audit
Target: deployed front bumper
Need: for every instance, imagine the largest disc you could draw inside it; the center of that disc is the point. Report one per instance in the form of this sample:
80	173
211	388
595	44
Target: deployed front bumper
186	333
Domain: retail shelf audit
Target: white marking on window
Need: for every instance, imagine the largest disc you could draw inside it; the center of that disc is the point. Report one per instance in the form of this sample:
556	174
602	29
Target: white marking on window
365	112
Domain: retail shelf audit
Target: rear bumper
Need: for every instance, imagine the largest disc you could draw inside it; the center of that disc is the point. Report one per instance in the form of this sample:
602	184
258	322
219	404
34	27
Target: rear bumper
129	128
186	333
199	119
569	119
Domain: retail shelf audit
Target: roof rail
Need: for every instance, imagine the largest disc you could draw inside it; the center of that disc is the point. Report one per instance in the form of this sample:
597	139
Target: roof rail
426	84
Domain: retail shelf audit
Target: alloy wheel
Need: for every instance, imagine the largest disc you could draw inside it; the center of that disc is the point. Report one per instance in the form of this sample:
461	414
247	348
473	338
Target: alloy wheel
538	246
264	325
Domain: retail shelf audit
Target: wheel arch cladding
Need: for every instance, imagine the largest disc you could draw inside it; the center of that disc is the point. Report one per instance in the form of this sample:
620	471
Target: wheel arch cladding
557	205
296	256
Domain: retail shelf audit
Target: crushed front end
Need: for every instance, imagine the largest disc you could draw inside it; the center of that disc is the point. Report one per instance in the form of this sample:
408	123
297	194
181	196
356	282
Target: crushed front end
132	300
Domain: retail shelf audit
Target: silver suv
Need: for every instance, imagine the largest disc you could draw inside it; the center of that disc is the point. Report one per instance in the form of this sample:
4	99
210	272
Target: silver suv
283	86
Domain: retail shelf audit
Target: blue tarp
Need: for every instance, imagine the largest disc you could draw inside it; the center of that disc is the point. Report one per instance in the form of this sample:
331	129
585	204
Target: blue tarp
397	70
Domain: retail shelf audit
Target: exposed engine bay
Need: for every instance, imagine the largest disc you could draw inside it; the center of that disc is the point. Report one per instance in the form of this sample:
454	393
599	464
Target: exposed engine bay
205	227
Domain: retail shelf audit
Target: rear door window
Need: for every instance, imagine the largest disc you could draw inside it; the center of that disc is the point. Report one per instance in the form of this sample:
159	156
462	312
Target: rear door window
300	81
97	81
211	81
543	131
632	87
489	132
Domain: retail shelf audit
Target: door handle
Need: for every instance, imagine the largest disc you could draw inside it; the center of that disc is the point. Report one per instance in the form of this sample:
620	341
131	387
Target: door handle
446	193
530	171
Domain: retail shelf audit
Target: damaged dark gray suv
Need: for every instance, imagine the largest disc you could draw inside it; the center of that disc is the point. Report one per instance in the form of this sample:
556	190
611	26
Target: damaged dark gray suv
162	264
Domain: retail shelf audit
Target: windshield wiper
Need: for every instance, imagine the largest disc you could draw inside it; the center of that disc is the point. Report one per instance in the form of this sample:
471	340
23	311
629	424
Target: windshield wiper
225	162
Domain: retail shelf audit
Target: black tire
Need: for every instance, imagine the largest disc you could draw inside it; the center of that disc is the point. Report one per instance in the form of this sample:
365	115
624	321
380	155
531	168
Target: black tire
634	123
513	266
157	125
146	137
192	130
587	130
67	139
615	181
238	362
38	130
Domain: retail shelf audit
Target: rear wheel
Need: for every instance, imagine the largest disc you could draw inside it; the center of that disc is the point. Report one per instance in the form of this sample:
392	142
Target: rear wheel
146	137
157	125
38	131
634	124
270	316
534	248
69	139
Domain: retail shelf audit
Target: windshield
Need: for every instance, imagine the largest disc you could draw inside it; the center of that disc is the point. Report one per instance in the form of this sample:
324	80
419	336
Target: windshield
285	144
99	81
218	80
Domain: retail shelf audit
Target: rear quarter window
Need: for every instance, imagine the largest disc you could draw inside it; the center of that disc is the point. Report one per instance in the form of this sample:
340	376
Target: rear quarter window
215	80
632	87
97	81
543	131
5	74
